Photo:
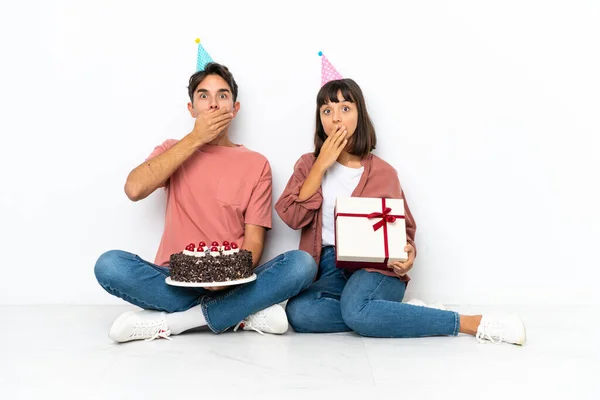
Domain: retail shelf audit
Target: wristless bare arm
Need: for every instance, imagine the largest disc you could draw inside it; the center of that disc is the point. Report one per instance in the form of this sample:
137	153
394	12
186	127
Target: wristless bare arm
154	173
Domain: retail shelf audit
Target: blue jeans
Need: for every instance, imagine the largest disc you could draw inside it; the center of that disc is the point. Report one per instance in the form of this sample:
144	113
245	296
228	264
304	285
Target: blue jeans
142	283
368	303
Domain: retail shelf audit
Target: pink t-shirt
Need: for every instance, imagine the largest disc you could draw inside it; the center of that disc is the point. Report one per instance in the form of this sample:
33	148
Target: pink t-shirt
212	195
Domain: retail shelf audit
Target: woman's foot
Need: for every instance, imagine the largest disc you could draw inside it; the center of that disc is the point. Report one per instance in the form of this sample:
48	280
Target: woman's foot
498	328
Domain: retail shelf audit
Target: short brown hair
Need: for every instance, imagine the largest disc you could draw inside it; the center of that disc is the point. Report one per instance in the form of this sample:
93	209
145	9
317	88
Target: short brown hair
364	140
212	68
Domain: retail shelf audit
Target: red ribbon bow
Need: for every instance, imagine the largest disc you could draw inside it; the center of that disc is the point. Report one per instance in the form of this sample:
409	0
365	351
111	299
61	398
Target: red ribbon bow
385	218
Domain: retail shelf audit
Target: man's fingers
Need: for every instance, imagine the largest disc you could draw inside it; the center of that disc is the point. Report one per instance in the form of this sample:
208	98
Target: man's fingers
206	113
221	117
218	127
212	114
215	288
213	123
220	111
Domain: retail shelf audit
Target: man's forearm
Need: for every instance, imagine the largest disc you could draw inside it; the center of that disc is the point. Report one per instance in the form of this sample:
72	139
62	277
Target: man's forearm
254	241
256	249
153	173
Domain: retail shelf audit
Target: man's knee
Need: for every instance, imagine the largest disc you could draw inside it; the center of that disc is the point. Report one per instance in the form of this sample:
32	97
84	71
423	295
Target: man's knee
109	266
301	267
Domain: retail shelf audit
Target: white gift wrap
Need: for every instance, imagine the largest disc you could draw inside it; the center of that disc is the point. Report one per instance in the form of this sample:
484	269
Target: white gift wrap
357	243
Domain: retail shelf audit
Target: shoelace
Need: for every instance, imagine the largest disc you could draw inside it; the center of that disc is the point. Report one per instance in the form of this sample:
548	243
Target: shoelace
254	322
490	332
162	334
245	324
151	331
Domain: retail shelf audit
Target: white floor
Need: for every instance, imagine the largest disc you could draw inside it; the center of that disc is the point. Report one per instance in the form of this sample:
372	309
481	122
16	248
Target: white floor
64	352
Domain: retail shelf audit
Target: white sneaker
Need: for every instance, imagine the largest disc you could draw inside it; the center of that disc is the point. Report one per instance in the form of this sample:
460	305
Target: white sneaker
270	320
502	328
145	324
421	303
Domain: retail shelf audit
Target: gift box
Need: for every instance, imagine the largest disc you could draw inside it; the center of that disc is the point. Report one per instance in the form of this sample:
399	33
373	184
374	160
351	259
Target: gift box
369	232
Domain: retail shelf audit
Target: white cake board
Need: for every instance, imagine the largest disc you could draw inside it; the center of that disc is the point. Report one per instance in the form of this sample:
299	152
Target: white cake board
171	282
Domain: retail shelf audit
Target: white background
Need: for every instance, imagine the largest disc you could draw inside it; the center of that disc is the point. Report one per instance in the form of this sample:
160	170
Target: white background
489	111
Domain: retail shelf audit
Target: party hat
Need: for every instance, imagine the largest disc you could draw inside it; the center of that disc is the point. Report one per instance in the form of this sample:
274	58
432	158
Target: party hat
203	57
328	72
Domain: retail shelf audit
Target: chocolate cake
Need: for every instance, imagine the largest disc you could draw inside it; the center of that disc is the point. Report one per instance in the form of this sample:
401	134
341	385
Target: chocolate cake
217	264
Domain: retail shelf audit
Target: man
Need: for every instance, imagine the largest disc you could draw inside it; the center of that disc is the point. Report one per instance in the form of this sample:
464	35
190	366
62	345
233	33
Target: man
216	190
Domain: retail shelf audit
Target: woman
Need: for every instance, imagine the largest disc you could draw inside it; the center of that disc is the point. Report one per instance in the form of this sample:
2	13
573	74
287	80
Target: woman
368	302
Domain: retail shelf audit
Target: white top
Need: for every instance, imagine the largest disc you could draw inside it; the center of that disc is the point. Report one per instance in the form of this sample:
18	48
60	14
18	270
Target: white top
339	181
